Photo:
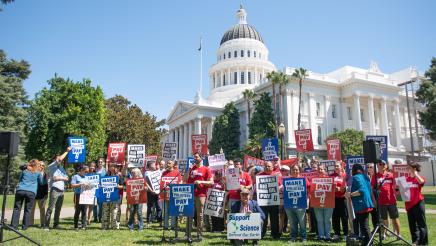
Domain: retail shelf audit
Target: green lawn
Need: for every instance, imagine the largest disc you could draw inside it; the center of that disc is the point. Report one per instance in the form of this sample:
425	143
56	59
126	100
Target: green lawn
68	200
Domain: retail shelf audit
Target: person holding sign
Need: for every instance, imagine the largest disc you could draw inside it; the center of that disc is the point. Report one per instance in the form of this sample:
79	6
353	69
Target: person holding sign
77	182
340	210
415	207
362	202
323	213
136	208
244	182
169	176
152	178
218	184
201	177
110	208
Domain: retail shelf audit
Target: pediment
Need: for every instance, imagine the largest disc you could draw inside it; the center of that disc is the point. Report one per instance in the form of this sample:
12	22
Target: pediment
179	109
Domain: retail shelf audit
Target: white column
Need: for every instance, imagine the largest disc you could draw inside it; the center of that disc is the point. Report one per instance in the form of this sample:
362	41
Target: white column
371	118
326	115
289	121
397	123
343	112
185	141
198	124
358	120
312	112
212	122
177	141
238	77
384	119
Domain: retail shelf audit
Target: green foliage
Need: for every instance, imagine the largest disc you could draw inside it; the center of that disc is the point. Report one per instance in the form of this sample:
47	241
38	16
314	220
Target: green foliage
300	74
262	121
13	103
226	133
426	95
351	141
127	123
66	109
248	96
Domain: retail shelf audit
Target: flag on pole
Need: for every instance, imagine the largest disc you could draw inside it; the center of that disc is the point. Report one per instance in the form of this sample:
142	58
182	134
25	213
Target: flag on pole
199	49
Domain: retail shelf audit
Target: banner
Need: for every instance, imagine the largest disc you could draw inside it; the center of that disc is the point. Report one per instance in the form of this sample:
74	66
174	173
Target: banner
136	155
135	189
170	151
270	148
252	161
115	153
304	141
181	200
400	170
154	179
199	143
87	196
329	166
351	160
310	175
78	150
108	190
295	193
334	149
214	205
322	193
383	145
267	187
232	179
244	226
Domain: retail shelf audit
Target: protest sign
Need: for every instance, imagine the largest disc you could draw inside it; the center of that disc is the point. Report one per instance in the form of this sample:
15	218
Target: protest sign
108	190
322	193
334	149
214	205
351	160
184	165
170	151
115	153
404	188
267	187
244	226
329	166
270	148
304	141
78	150
169	177
252	161
153	178
136	155
87	194
400	170
135	189
295	193
199	143
309	175
383	145
148	159
181	200
232	179
216	162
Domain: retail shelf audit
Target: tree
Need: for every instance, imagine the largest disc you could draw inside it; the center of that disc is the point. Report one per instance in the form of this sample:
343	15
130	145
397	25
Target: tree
226	132
283	81
127	123
426	94
300	74
274	79
13	107
351	141
248	96
66	109
262	121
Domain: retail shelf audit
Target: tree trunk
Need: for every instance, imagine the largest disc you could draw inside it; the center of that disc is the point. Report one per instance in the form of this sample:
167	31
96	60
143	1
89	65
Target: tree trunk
299	106
275	107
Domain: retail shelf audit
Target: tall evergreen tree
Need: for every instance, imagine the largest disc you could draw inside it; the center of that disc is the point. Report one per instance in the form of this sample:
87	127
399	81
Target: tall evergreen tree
226	132
262	121
426	94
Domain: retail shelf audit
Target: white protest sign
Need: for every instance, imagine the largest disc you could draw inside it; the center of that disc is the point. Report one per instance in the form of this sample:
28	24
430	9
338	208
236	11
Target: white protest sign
87	193
154	178
216	161
267	187
232	179
214	205
136	155
170	151
404	188
244	226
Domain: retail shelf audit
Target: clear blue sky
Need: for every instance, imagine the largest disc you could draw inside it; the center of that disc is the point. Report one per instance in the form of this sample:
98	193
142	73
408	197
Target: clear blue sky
147	50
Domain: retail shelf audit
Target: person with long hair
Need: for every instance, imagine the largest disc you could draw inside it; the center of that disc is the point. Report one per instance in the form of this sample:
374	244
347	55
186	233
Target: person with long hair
169	176
77	182
360	195
40	199
110	209
28	183
340	211
323	215
136	208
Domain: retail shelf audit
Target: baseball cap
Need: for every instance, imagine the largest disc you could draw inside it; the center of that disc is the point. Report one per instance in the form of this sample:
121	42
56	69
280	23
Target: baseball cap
285	167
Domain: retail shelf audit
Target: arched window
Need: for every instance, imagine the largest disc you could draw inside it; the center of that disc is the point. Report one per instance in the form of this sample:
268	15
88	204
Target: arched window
248	53
230	54
235	54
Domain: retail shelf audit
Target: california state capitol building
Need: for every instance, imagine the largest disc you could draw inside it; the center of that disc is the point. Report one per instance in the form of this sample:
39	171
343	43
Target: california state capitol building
363	99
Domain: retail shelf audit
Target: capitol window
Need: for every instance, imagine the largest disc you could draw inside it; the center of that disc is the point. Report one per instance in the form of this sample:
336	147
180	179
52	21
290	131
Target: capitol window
362	115
242	53
318	109
230	54
260	55
249	76
334	111
235	78
319	135
349	113
248	53
254	54
224	79
224	56
235	54
242	78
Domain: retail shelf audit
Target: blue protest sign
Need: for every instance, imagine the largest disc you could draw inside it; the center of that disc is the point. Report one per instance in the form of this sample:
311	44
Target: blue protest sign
295	193
78	150
182	200
108	190
383	145
270	148
351	160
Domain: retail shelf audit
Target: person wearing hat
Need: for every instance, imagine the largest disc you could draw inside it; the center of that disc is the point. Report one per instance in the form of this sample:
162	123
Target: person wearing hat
386	196
246	205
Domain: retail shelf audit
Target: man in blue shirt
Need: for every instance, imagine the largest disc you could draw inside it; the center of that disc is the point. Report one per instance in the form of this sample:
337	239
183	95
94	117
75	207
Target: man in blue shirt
58	176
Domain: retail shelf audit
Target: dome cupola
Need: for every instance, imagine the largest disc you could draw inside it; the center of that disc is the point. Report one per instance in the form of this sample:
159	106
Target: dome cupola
242	29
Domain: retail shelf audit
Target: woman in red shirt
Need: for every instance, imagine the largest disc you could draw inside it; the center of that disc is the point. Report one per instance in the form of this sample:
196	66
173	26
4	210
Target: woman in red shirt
340	210
415	207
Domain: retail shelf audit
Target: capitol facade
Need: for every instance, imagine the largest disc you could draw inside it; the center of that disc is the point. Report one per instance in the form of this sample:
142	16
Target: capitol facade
350	97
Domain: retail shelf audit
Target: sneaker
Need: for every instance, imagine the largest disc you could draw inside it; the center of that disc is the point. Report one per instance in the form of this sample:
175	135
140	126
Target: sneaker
46	228
336	238
304	241
292	240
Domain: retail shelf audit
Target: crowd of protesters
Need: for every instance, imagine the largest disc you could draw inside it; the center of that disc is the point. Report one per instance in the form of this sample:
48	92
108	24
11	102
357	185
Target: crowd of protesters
38	183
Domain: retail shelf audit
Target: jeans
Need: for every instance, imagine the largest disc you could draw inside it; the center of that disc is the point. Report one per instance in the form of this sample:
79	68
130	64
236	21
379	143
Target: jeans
297	217
273	213
79	209
55	202
340	215
136	208
167	216
41	205
323	216
418	224
22	196
153	201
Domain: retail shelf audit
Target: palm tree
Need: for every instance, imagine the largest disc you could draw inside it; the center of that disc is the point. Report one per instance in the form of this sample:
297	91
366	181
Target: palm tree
300	74
283	81
274	78
248	96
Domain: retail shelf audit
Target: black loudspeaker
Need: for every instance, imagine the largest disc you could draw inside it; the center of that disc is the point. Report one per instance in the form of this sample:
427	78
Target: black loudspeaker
9	142
371	151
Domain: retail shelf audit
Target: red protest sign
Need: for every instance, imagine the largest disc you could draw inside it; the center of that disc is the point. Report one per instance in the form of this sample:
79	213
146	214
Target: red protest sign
167	178
135	189
400	170
334	149
252	161
199	143
322	193
309	175
304	140
116	153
